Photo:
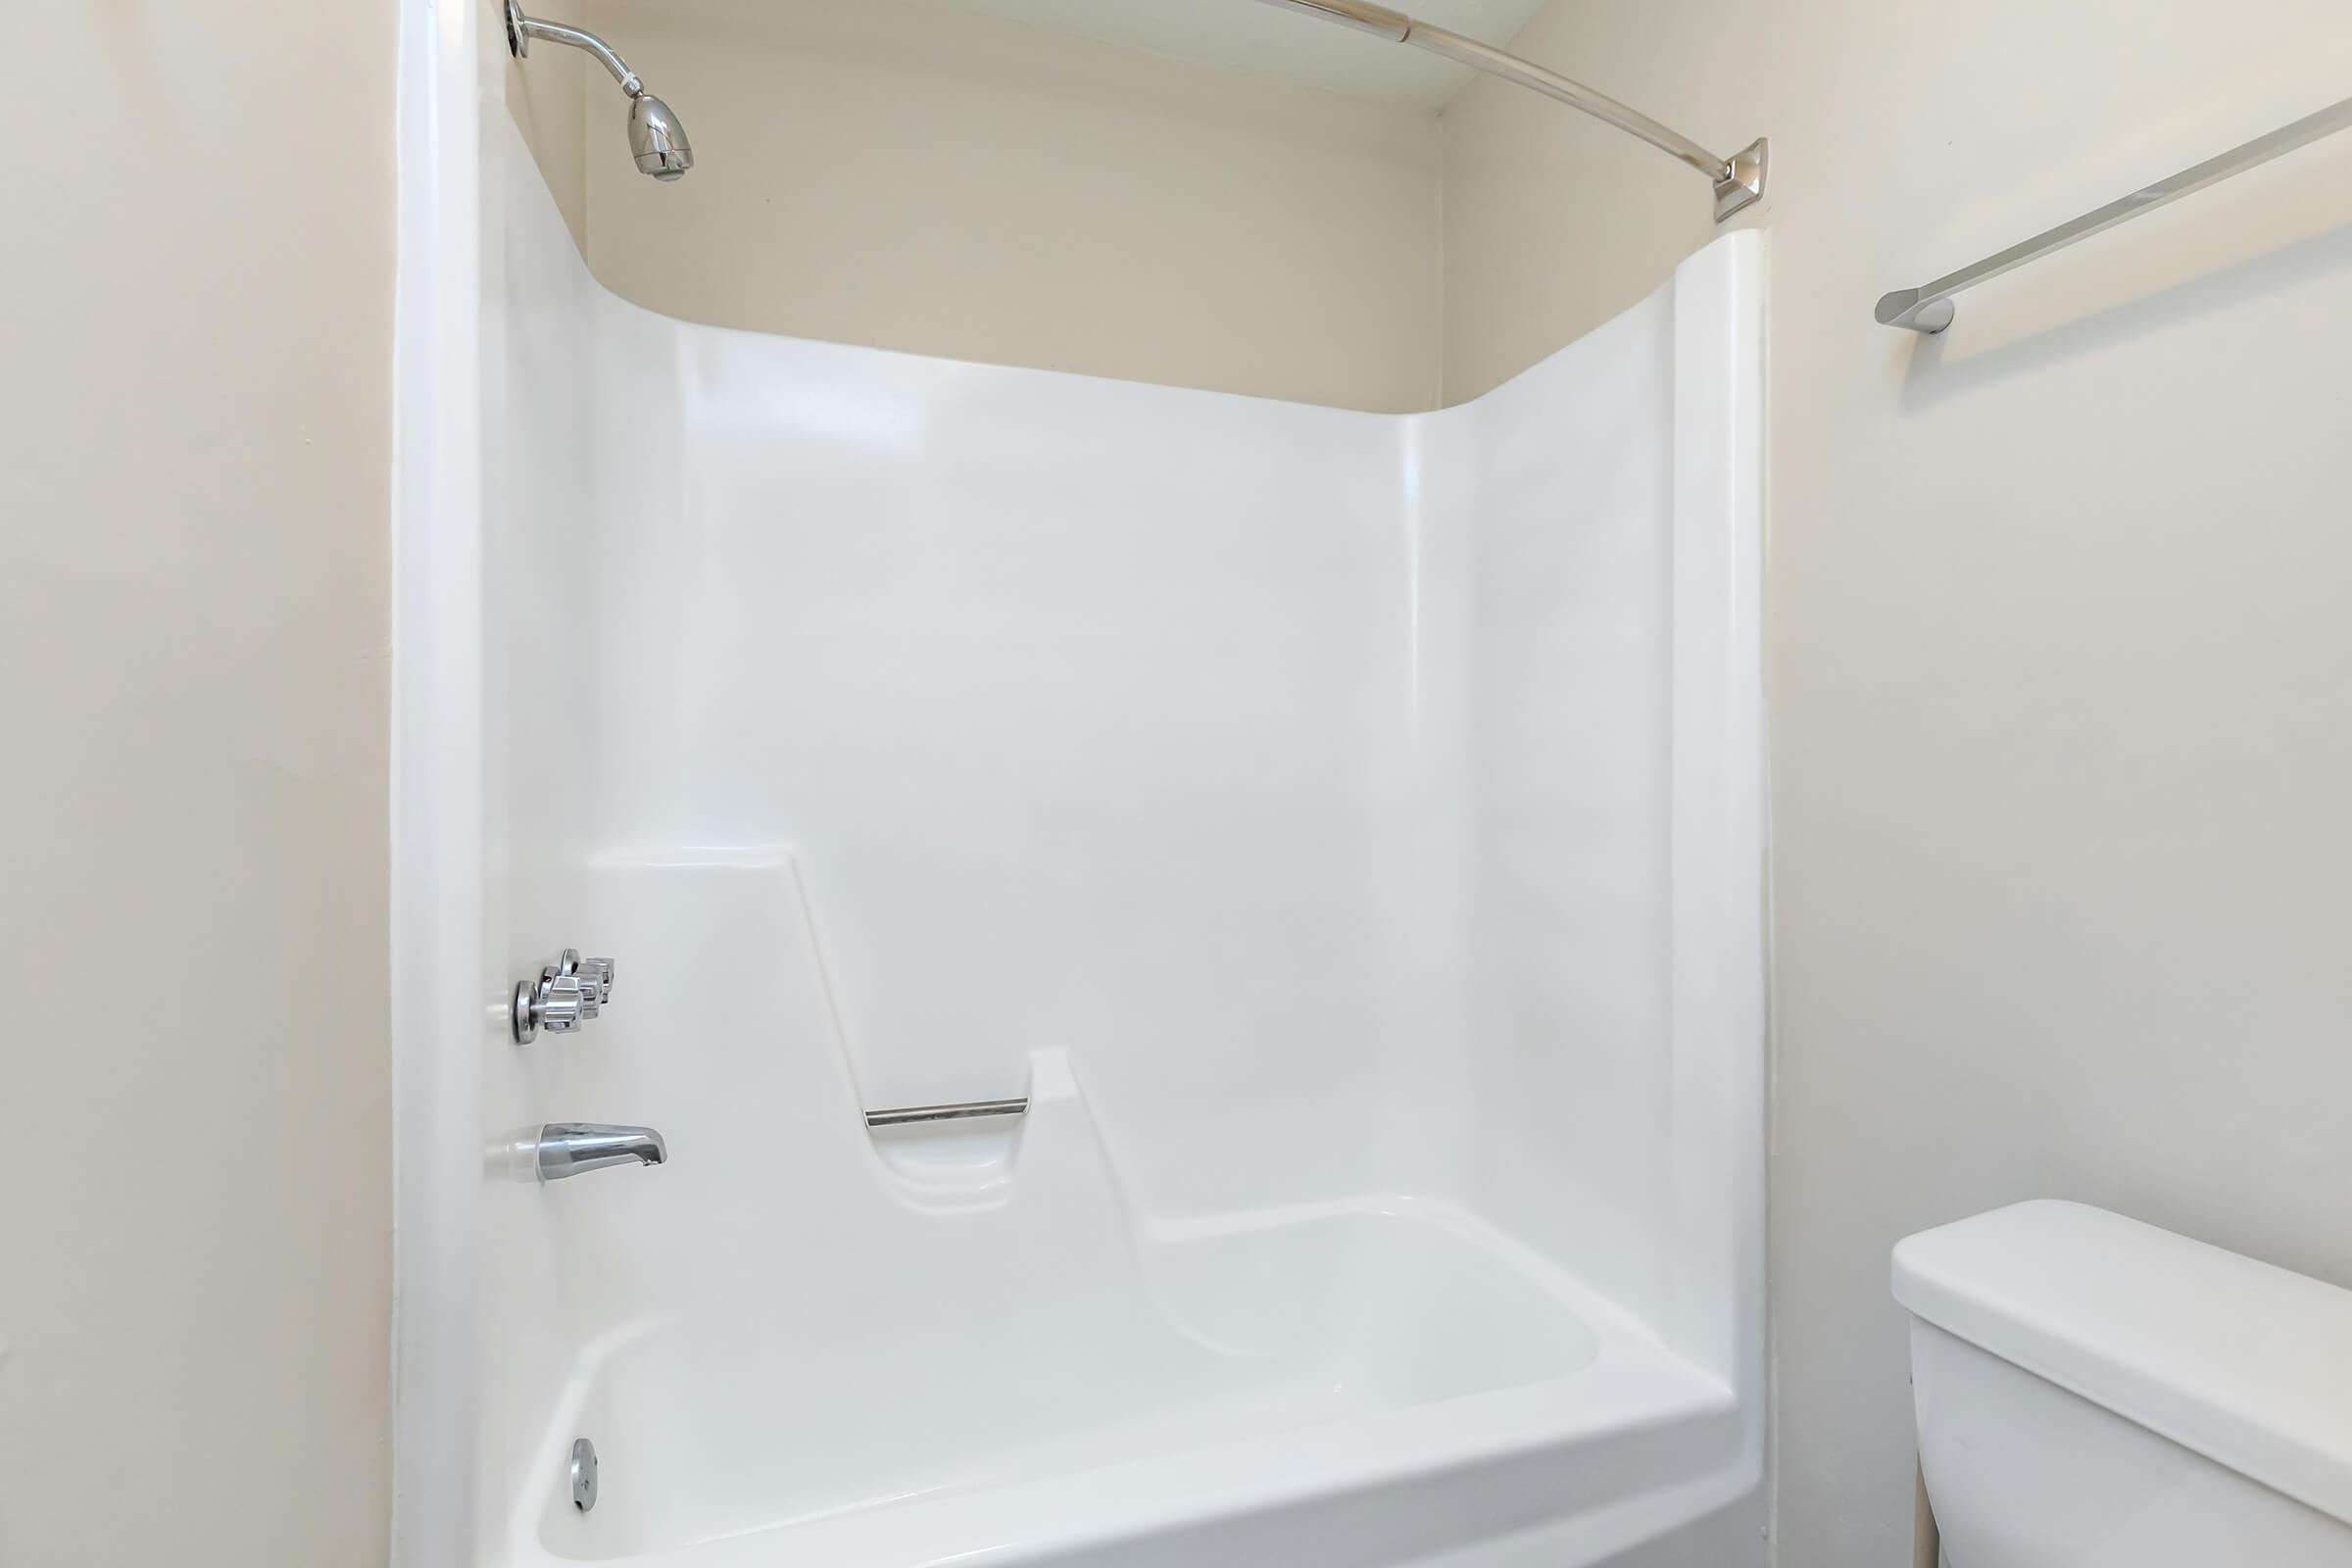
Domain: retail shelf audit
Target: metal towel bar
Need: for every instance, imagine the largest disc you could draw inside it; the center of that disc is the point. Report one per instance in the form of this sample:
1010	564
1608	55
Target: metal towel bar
1928	307
961	1111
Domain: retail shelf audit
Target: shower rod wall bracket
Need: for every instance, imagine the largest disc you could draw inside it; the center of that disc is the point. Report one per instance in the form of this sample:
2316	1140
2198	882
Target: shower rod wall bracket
1743	186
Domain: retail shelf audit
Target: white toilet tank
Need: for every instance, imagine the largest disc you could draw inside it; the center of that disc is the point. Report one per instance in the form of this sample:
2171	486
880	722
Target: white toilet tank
2096	1393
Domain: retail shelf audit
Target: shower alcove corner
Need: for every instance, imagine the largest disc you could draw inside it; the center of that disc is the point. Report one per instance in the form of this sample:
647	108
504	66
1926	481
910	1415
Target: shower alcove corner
1344	829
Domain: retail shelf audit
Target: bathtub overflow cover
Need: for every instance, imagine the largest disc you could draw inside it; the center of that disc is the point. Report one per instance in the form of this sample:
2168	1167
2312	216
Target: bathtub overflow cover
583	1474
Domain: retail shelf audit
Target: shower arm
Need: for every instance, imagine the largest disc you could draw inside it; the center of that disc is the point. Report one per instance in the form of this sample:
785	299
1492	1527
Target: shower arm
522	30
1738	179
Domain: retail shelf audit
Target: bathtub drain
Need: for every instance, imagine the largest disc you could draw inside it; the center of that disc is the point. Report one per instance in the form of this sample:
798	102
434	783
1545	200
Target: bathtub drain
583	1474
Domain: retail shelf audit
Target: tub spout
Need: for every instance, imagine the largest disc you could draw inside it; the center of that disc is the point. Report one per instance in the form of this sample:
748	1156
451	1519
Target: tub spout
569	1147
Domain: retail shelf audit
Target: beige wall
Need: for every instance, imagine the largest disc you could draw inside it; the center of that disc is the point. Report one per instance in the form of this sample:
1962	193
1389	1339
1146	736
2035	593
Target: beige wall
912	177
2060	658
547	93
195	1263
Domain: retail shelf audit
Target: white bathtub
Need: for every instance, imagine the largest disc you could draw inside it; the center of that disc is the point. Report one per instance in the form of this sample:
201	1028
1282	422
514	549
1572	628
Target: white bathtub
979	1344
1344	829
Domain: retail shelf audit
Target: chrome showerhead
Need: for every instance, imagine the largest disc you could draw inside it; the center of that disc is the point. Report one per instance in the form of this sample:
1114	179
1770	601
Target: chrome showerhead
656	139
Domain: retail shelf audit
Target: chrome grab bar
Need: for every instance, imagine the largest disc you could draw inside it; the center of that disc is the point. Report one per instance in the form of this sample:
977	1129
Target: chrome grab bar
961	1110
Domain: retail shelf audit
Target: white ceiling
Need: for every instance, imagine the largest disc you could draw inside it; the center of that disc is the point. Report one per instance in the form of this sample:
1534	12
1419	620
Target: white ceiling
1270	41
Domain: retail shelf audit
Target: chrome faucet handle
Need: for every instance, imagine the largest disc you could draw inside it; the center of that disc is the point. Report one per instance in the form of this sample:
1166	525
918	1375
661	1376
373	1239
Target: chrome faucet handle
595	973
566	995
570	999
557	1003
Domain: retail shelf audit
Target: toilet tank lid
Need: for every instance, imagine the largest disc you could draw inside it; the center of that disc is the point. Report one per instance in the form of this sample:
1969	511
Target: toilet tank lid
2248	1365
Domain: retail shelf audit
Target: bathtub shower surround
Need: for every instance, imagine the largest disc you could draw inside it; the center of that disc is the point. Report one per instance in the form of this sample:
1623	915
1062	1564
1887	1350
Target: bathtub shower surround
1342	831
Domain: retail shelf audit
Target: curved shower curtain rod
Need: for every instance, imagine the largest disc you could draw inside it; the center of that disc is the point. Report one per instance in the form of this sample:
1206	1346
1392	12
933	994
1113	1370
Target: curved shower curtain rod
1738	179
